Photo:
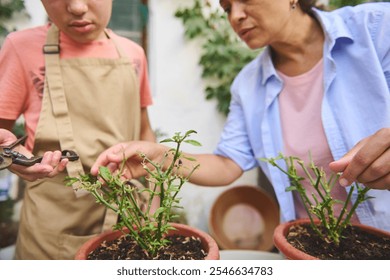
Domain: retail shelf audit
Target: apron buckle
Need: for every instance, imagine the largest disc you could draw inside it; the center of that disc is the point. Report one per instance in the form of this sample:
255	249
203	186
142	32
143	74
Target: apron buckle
51	49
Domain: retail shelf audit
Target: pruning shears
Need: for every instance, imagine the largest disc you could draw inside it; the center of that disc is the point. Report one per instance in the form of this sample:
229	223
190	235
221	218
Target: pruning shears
8	156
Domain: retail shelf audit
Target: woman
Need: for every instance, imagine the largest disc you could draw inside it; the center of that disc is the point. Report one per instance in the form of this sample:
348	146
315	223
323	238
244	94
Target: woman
321	85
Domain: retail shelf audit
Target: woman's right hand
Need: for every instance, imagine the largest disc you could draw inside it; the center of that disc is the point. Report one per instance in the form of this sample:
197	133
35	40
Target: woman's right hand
367	162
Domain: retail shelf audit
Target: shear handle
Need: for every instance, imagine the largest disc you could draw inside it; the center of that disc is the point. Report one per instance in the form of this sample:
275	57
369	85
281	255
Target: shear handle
24	161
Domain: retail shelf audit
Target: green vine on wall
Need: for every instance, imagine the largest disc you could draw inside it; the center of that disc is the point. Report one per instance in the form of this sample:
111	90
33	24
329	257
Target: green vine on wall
341	3
223	54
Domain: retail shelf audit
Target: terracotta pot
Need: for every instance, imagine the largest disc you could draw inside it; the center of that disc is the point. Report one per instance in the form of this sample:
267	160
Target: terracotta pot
244	218
290	252
208	243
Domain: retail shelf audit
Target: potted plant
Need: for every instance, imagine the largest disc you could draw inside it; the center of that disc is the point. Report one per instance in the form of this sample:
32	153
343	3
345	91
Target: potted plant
324	235
141	233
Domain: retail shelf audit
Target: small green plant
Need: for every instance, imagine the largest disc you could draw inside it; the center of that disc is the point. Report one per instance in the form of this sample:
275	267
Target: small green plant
146	228
322	205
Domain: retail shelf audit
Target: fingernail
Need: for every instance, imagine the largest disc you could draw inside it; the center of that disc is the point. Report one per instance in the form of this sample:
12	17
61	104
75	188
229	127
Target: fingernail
344	182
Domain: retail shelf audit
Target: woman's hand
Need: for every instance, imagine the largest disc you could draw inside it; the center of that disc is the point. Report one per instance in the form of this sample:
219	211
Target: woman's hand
368	162
129	154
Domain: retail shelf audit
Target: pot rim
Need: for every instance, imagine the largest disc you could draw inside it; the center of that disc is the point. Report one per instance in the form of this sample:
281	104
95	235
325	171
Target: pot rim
208	243
252	196
282	244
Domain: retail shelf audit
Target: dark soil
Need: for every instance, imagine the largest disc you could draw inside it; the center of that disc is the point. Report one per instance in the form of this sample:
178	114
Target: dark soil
125	248
355	245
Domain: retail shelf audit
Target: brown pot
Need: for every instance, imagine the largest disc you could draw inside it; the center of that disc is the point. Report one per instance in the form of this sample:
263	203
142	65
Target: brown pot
244	218
208	243
292	253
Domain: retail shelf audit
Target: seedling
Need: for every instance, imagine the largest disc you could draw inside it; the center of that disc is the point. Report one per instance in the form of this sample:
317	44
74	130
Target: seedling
322	204
123	197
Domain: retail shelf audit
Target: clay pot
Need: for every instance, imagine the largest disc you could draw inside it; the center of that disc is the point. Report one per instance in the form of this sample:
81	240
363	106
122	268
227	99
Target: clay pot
292	253
208	243
244	218
284	247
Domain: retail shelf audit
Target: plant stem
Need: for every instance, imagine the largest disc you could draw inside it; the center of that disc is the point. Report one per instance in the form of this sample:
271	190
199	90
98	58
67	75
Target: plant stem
323	204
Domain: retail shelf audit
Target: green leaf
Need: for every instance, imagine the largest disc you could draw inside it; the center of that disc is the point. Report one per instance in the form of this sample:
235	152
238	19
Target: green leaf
193	142
189	132
189	158
167	140
105	173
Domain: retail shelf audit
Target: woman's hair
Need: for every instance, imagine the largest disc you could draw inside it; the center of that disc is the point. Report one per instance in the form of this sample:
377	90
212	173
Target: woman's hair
306	5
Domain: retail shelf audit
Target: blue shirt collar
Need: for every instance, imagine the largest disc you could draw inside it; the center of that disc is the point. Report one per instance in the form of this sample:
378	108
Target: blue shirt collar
267	65
336	29
334	26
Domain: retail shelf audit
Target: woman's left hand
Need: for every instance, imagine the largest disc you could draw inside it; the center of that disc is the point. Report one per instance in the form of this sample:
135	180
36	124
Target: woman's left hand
368	162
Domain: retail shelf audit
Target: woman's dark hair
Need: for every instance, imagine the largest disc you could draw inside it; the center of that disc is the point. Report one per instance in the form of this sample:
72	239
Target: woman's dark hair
306	5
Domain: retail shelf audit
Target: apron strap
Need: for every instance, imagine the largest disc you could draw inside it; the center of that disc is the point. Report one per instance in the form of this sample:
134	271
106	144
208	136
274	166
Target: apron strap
60	107
117	46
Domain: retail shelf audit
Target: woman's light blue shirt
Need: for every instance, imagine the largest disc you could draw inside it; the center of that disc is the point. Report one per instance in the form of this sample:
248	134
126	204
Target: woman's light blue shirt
356	101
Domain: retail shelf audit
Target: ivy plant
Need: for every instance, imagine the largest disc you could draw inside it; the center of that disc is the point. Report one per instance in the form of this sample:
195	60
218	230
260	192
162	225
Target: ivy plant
223	53
321	205
7	9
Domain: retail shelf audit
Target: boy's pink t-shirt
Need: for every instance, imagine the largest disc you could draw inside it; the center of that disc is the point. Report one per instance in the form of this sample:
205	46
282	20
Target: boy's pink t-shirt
300	111
22	70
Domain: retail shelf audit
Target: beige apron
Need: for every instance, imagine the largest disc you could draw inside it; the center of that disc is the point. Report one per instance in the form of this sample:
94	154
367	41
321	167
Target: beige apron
89	104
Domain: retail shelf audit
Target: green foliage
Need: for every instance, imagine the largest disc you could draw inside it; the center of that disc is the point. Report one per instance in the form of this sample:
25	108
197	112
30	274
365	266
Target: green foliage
323	205
18	129
341	3
123	197
223	54
7	9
